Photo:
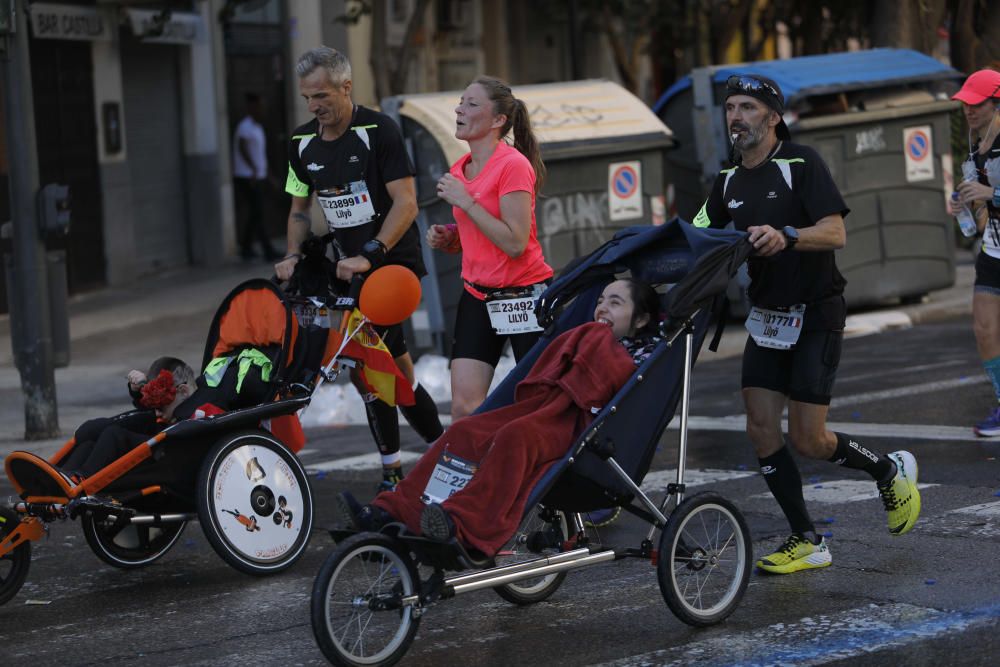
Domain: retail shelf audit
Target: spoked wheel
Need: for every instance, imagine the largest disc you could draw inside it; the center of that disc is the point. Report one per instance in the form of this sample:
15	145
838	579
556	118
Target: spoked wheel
254	503
129	546
358	614
13	566
704	559
542	532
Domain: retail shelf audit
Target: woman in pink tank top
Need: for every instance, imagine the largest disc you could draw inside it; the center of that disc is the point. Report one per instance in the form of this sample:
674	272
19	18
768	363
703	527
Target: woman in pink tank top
492	193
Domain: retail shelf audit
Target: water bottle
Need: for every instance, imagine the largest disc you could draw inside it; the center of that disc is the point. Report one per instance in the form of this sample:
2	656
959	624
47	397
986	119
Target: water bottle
966	222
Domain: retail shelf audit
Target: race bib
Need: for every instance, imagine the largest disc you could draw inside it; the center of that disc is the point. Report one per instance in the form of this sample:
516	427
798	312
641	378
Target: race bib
450	475
347	210
314	313
777	329
510	314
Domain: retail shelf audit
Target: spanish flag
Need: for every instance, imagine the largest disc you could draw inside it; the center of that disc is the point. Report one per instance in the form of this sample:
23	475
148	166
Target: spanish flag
378	368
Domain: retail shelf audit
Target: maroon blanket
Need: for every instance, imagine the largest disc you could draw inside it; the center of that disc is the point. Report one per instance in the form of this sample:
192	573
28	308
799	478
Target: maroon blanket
514	445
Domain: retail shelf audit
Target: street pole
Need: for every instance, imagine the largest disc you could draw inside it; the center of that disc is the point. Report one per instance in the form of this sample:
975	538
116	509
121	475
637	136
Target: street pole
29	307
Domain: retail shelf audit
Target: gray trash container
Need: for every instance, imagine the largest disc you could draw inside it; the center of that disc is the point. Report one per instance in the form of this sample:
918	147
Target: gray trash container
55	266
880	119
603	149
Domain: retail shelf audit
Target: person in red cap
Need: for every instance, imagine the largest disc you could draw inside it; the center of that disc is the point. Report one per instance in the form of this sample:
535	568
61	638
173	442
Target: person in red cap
783	196
980	191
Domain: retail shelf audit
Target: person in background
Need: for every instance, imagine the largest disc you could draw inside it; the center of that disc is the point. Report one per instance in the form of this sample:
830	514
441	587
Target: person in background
250	180
980	191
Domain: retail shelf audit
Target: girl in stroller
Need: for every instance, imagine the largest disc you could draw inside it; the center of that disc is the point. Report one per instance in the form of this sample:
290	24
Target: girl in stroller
510	448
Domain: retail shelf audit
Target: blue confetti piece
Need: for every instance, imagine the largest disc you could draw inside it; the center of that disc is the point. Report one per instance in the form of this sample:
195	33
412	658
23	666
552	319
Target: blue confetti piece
818	486
828	519
813	479
189	543
856	415
997	494
321	474
828	534
743	466
931	582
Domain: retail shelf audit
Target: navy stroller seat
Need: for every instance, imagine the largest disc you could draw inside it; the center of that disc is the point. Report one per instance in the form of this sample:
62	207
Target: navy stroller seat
698	263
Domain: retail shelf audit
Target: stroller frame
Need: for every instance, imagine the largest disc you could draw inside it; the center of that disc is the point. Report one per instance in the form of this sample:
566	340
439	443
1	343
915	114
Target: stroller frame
688	564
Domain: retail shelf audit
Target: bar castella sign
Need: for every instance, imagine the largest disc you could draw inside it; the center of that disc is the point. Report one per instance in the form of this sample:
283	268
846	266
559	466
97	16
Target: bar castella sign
51	21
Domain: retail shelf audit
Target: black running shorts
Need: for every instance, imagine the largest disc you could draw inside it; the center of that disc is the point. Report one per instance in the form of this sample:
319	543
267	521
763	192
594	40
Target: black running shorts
804	373
987	274
393	338
475	337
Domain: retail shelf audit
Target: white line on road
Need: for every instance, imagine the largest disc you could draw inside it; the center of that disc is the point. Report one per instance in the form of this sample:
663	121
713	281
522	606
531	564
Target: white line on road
911	390
820	639
840	491
738	423
988	510
360	462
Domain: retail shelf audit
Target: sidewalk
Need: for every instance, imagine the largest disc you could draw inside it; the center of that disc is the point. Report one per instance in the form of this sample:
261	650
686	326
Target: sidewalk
115	329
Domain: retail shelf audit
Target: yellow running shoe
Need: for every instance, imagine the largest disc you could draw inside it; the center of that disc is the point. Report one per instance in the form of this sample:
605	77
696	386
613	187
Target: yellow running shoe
797	553
900	495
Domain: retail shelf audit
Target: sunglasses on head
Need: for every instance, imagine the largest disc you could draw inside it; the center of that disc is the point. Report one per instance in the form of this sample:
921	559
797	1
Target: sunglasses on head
750	84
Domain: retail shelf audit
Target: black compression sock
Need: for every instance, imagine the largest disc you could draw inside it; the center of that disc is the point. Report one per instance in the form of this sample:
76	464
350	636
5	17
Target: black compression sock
851	454
383	420
785	482
423	415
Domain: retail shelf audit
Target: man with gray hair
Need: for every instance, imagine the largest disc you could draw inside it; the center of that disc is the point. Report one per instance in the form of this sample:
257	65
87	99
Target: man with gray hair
354	160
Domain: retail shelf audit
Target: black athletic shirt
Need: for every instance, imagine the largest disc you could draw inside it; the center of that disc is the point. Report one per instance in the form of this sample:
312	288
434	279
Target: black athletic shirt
793	188
347	165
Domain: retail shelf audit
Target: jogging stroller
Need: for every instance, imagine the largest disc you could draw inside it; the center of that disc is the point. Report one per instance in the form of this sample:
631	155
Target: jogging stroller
235	472
369	598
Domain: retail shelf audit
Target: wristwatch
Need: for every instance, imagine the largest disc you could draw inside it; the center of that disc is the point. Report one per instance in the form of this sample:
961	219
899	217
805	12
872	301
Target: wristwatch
791	236
374	251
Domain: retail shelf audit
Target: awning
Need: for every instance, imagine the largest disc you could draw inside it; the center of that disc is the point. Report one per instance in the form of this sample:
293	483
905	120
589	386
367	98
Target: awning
166	27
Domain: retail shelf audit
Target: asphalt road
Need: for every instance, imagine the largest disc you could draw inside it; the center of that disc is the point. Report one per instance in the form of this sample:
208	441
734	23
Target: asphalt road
929	597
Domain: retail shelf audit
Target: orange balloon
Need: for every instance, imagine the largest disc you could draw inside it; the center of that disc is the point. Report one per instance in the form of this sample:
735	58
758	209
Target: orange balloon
390	295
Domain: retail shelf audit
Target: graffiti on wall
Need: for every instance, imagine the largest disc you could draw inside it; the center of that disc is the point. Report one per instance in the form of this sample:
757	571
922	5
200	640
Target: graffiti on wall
564	114
574	211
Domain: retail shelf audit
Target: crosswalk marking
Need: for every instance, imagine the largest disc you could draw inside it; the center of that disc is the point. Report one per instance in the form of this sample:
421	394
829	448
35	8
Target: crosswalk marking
840	491
820	639
988	510
657	480
738	423
360	462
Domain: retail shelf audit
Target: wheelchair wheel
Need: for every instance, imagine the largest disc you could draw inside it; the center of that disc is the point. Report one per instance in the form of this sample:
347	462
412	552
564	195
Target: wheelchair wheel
130	546
358	617
14	566
254	503
542	532
704	560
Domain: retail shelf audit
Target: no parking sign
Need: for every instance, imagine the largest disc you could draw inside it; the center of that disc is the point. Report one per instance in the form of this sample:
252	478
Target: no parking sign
918	149
625	190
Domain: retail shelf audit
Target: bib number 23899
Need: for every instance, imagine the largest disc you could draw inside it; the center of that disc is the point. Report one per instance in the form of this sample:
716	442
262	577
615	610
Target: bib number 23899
776	329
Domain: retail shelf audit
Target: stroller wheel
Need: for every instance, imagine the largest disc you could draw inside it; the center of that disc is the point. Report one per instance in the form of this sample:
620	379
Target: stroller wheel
13	566
704	560
357	608
129	546
542	532
254	503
